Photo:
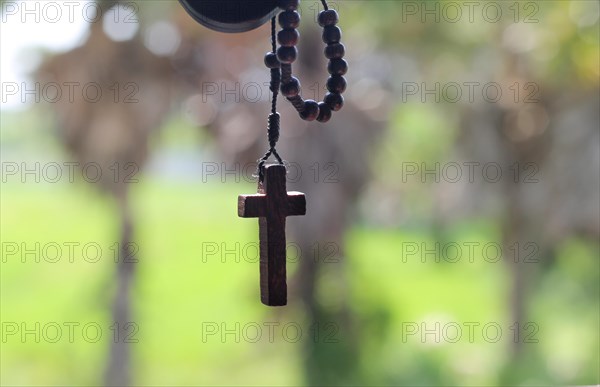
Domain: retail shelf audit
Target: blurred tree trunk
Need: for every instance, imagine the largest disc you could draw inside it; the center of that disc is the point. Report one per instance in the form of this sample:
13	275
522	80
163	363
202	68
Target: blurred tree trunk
335	161
112	133
539	141
118	370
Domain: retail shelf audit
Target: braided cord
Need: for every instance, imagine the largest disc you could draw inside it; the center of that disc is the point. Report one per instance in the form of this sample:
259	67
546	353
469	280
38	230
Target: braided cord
274	117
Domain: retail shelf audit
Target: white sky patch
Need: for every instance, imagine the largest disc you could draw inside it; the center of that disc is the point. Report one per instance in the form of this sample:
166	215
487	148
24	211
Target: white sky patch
121	23
162	38
27	26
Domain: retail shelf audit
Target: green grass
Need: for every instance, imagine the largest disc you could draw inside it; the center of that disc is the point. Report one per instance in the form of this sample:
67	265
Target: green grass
175	293
178	289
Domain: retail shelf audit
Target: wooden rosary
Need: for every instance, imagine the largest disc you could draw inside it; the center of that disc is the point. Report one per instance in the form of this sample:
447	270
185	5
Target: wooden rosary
272	204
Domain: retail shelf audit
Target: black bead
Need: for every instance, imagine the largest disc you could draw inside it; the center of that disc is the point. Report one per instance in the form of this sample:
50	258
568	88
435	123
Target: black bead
289	5
291	88
311	110
336	50
324	113
337	66
328	18
332	34
271	60
334	101
289	19
287	55
336	84
288	38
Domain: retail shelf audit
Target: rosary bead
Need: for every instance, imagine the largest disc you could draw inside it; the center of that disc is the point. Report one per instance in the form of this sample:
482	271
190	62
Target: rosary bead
336	84
324	113
332	34
289	5
334	101
337	66
311	110
289	19
336	50
328	18
271	60
288	37
287	55
291	88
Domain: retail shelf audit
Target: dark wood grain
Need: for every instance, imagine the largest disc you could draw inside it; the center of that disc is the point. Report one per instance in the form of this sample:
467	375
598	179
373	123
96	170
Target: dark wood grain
272	205
251	206
296	204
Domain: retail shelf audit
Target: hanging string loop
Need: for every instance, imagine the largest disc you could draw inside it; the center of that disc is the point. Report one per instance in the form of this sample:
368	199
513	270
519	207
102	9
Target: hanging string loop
274	122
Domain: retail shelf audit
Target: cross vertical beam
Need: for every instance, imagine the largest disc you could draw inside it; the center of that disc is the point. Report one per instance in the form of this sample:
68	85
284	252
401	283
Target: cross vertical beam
272	205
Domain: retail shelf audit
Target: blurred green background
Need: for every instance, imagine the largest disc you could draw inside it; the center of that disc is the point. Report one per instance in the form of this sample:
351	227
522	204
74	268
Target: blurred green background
358	289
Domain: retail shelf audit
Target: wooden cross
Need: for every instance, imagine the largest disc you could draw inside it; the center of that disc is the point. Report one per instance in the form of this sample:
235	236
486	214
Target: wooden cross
272	205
